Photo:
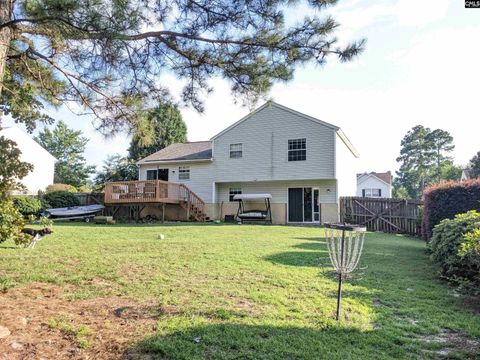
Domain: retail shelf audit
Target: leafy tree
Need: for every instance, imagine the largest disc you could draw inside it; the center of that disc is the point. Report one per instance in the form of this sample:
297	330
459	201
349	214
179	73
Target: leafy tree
424	158
167	127
474	166
116	168
107	55
11	169
450	172
399	193
68	146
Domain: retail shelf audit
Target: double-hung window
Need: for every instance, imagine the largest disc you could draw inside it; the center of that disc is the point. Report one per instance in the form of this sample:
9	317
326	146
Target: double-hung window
372	193
152	174
297	149
184	173
233	192
236	151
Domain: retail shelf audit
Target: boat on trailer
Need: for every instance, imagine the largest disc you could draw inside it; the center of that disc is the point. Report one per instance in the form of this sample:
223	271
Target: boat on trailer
86	212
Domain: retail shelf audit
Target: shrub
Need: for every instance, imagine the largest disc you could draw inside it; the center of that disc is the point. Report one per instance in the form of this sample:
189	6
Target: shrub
28	205
445	200
11	224
455	247
58	199
61	187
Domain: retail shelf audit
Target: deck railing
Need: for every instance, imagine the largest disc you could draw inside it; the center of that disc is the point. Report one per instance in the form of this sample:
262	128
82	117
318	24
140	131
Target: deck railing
143	191
154	191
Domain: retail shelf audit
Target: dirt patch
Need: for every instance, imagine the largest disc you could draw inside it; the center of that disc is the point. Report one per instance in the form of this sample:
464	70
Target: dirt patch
452	341
45	324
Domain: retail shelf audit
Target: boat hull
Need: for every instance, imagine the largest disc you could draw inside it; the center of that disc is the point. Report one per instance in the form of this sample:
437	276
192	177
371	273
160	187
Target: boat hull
75	211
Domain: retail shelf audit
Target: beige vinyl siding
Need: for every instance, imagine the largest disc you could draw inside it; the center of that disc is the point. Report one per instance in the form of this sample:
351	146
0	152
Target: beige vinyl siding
265	136
201	177
279	189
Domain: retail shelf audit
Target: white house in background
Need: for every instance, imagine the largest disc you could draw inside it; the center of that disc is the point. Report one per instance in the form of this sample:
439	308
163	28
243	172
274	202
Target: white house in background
300	160
43	162
374	185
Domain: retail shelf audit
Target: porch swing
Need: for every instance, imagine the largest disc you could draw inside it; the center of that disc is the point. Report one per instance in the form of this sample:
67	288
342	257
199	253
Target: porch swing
244	215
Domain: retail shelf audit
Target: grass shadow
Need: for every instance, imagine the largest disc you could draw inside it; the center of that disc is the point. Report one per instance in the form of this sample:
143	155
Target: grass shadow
321	247
241	341
299	258
322	238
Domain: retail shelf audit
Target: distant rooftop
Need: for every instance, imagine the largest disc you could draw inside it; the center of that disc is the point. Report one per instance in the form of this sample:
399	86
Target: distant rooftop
384	176
190	151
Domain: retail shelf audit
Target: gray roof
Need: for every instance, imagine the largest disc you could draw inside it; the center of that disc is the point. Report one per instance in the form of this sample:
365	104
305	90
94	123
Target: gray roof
191	151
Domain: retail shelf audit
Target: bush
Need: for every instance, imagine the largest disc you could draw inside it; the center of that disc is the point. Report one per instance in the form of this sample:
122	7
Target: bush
11	224
445	200
58	199
455	247
61	187
28	205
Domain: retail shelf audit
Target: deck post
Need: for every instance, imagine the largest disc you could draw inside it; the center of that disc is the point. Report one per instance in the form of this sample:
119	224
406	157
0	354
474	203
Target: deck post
188	205
163	213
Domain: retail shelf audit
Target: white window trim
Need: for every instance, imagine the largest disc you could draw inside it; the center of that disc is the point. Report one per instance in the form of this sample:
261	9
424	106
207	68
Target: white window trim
236	151
235	190
370	194
184	170
289	150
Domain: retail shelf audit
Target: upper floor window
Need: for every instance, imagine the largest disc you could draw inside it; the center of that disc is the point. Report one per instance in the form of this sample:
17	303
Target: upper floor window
184	173
297	149
372	192
233	192
236	151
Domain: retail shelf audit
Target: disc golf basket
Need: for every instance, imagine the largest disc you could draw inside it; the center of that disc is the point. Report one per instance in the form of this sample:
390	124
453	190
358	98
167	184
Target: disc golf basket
345	244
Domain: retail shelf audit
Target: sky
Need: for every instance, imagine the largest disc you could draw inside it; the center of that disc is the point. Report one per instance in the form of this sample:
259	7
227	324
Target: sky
421	65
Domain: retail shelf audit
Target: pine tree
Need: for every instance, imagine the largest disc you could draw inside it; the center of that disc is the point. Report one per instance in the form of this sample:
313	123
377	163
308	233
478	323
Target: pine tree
425	159
108	55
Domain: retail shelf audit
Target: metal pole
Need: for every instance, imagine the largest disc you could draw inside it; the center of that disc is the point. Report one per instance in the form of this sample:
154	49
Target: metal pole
339	295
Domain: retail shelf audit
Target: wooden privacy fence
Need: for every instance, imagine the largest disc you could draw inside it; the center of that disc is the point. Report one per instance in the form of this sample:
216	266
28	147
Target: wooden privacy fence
387	215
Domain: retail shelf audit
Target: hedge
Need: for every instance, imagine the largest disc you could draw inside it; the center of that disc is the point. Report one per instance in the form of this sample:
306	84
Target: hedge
29	205
455	246
61	187
445	200
59	199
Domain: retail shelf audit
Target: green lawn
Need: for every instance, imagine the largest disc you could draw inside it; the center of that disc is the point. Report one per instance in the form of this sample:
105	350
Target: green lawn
255	292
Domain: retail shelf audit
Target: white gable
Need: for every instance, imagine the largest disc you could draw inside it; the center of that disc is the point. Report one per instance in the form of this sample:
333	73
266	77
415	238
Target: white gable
31	152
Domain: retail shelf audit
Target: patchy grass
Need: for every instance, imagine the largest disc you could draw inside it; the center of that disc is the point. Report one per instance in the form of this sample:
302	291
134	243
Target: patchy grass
250	292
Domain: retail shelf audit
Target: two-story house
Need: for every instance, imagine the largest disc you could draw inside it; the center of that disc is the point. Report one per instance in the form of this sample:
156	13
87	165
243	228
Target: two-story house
303	162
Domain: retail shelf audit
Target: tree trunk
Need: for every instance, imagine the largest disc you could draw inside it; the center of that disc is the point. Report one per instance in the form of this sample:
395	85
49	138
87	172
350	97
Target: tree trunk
6	9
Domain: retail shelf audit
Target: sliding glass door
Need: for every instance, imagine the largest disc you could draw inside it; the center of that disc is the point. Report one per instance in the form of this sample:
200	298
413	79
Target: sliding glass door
303	205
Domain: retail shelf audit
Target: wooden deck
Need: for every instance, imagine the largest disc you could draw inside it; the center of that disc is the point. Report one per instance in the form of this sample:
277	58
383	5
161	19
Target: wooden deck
155	192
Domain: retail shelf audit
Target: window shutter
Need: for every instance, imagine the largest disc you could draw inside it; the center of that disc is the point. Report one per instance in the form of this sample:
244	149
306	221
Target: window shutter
380	192
363	192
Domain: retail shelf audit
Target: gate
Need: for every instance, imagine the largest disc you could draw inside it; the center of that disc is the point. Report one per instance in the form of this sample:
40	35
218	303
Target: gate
387	215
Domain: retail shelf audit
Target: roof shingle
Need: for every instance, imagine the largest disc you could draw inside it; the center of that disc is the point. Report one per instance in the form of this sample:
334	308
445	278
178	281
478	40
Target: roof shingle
200	150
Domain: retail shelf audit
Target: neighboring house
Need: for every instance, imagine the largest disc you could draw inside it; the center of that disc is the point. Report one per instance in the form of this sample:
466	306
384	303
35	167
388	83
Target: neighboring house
465	174
374	185
43	162
303	162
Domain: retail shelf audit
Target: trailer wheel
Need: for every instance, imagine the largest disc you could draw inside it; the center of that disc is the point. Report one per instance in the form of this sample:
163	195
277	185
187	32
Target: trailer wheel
88	219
